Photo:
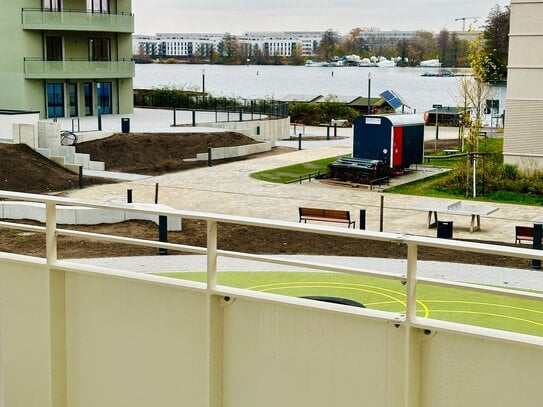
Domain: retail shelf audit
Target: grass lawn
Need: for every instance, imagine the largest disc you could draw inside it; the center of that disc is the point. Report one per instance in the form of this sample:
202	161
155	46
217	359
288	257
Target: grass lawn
468	307
282	175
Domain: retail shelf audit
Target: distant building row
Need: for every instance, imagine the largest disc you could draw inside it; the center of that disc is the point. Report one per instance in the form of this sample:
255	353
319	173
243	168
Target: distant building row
187	45
171	45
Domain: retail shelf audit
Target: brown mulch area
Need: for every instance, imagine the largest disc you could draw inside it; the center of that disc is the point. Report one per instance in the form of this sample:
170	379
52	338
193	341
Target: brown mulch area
21	169
158	153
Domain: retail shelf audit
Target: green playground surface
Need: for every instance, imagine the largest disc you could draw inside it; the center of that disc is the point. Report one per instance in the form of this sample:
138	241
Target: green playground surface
448	304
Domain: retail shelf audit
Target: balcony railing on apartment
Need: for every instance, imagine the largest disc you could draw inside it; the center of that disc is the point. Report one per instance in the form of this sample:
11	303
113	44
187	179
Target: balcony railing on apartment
77	20
38	68
52	206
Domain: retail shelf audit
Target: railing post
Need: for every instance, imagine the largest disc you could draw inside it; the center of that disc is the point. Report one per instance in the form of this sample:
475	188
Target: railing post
411	306
412	342
50	233
211	254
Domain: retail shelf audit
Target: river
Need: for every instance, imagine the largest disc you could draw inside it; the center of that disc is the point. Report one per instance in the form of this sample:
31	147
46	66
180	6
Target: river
271	81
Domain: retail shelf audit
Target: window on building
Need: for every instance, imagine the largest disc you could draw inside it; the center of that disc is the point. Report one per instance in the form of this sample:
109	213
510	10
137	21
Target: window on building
53	48
105	99
98	6
55	100
100	49
72	99
51	5
88	98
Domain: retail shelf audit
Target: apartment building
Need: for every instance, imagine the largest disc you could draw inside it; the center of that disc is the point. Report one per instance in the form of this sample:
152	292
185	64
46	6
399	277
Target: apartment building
180	45
523	137
67	58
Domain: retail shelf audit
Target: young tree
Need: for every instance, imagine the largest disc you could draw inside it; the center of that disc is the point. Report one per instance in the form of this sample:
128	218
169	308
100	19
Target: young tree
423	47
296	56
229	50
443	44
328	44
496	45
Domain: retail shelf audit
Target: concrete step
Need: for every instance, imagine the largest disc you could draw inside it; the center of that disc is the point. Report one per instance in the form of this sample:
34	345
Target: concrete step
46	152
97	165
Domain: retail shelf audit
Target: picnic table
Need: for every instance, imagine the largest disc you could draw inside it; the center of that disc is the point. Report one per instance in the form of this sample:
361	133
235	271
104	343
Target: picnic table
456	208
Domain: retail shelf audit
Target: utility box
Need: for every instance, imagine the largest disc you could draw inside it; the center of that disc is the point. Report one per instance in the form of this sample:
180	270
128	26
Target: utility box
397	139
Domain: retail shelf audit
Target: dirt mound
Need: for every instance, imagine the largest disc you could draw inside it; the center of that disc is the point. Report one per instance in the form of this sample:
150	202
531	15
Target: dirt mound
24	170
157	153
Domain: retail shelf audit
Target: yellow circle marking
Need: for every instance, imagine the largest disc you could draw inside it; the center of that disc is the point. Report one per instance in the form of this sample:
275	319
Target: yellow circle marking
347	286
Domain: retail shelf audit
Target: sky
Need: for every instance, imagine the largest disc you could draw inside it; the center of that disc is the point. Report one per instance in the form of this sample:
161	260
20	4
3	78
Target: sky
238	16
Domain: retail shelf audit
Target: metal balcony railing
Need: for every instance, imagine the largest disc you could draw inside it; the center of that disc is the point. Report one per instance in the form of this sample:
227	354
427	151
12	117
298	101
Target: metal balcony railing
38	68
77	20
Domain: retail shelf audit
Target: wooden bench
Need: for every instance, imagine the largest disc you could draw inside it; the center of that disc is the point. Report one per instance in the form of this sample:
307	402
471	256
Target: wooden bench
524	234
326	215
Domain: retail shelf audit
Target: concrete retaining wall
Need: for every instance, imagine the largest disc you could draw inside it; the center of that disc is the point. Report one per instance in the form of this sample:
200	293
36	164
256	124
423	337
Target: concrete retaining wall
220	153
259	130
9	118
75	215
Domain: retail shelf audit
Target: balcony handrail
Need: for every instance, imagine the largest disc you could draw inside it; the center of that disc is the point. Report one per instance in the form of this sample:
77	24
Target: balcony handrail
409	318
84	11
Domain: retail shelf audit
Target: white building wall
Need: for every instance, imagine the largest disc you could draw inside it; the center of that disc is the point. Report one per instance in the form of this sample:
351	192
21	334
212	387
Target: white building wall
523	137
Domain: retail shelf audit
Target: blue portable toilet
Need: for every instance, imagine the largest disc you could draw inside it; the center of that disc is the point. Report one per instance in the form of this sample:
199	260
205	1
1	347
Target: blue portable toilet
395	139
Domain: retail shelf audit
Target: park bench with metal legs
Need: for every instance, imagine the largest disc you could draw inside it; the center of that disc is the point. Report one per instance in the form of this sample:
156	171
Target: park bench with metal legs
326	215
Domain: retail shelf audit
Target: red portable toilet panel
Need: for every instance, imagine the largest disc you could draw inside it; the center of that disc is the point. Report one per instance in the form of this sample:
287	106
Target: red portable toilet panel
397	144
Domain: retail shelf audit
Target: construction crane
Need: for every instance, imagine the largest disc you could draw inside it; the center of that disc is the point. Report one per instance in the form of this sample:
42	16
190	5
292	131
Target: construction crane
464	21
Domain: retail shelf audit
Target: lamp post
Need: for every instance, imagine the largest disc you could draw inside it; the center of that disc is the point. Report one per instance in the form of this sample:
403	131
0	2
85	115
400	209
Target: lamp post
369	92
203	85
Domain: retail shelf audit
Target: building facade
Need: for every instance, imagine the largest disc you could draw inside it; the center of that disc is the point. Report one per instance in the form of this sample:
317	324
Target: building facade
68	58
188	45
523	137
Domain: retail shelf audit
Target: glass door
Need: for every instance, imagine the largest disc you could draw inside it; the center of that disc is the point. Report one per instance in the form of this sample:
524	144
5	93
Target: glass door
87	88
53	48
55	100
72	99
103	93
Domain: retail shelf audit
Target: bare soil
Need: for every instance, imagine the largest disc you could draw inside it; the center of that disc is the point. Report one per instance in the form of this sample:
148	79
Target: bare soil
24	170
21	169
158	153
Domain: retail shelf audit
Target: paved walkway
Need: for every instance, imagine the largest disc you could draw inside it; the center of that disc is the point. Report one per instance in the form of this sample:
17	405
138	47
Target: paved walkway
229	189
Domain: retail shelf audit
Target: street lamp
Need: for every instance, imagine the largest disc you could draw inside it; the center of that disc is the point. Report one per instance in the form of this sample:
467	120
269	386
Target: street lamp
437	107
204	84
369	92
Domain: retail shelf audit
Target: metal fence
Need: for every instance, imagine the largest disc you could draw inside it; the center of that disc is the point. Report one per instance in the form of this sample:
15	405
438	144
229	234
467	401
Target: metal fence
226	109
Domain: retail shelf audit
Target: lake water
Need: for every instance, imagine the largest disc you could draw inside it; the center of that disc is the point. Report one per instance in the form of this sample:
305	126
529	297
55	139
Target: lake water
270	81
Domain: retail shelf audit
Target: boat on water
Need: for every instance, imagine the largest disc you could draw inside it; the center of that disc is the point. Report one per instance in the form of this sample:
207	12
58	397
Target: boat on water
431	63
440	74
310	63
386	63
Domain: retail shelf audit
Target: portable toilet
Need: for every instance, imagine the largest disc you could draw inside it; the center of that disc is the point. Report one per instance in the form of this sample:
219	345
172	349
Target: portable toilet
395	139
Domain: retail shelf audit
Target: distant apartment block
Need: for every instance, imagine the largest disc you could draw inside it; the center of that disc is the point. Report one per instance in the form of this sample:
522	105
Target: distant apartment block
380	41
67	58
523	138
187	45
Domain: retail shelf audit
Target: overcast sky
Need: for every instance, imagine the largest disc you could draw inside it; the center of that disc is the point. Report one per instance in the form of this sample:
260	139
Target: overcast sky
238	16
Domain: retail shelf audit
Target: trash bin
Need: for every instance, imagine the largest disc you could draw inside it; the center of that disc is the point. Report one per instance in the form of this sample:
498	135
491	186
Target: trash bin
445	229
125	125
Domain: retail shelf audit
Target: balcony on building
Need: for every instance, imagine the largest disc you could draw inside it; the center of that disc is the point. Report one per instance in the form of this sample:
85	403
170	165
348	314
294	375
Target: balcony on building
77	20
39	68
